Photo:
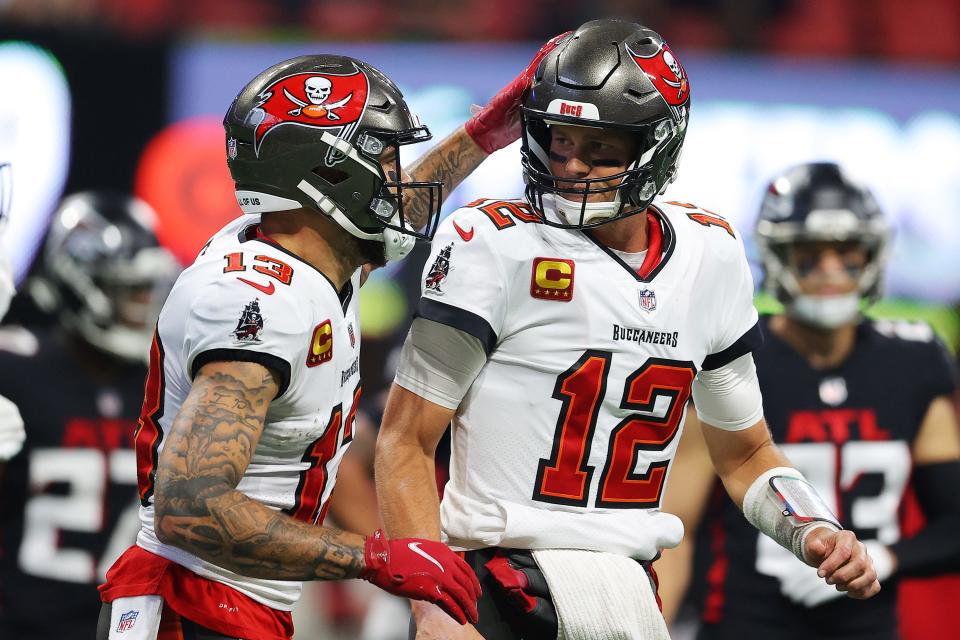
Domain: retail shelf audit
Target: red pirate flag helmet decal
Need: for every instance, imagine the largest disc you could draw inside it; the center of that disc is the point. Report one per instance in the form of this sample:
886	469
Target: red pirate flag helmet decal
320	100
665	72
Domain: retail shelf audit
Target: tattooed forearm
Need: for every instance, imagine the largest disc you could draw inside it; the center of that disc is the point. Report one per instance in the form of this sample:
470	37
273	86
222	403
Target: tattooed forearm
449	162
197	507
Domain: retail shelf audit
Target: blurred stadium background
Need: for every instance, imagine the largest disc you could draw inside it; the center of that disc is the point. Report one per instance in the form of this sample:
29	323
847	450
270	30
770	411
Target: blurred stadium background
128	95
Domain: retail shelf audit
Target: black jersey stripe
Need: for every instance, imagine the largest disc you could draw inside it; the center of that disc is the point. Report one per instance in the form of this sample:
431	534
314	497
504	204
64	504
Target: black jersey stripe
745	344
268	360
458	318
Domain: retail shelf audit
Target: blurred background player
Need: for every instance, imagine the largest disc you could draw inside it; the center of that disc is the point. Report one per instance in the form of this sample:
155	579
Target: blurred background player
11	423
863	408
68	501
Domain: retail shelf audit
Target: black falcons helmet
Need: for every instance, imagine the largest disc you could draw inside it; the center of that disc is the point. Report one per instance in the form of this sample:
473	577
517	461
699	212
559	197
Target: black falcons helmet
608	74
309	132
103	274
818	202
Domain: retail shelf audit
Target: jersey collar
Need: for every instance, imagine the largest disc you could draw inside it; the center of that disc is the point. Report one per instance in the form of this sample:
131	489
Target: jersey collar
254	232
661	240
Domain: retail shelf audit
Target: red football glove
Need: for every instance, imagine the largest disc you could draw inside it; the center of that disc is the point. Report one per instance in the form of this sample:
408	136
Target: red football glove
498	124
423	570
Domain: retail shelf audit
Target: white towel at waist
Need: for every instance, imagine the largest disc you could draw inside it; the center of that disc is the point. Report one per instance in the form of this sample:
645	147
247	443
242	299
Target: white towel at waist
601	596
636	533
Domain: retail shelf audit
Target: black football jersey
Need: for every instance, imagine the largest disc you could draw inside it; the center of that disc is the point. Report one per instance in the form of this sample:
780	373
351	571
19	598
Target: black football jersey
849	431
68	501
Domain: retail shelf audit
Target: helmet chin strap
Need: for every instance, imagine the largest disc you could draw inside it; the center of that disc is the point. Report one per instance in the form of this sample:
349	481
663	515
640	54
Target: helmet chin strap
569	211
396	245
825	312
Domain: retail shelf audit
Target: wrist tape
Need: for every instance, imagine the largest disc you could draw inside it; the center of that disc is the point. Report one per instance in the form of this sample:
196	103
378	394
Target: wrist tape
785	507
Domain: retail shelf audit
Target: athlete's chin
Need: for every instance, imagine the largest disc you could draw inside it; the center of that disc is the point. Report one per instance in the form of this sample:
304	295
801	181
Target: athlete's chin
371	252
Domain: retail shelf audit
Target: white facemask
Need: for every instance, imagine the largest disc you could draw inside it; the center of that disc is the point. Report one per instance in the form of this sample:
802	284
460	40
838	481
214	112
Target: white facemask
397	245
6	285
826	312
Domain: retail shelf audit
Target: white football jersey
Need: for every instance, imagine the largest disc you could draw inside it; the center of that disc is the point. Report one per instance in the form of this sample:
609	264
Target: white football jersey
580	404
246	298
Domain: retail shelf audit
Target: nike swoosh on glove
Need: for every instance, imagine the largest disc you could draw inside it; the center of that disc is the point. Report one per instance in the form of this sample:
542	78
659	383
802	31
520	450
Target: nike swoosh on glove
423	570
498	123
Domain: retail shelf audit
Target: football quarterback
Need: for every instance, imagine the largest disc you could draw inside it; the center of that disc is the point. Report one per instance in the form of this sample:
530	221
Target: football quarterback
563	334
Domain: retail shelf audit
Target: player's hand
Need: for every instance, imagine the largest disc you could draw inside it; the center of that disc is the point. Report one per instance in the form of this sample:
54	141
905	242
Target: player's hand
423	570
802	585
842	561
498	123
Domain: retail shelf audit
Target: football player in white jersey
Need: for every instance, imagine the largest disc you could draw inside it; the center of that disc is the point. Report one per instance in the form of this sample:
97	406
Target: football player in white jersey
562	336
254	381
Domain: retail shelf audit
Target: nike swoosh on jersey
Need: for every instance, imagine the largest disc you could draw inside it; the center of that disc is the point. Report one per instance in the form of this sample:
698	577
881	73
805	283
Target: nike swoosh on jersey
266	289
415	547
466	235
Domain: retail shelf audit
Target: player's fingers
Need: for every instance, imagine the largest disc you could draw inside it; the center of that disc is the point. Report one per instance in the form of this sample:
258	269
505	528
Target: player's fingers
467	579
838	556
451	608
549	46
462	597
857	565
864	587
817	550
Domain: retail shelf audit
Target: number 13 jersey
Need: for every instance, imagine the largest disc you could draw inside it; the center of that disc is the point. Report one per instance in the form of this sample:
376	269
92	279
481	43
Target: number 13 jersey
246	298
590	363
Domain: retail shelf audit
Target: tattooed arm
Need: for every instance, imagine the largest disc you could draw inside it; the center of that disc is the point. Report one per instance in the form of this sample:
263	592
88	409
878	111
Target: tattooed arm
491	127
197	506
450	162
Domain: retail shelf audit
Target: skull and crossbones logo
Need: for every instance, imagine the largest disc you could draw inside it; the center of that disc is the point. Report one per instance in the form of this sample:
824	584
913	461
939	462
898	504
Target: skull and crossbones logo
681	83
317	90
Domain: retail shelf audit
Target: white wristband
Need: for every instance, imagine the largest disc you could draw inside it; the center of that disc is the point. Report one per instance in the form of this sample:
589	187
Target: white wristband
882	559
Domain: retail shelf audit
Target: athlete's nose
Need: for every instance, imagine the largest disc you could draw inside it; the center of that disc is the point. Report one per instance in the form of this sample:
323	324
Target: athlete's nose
575	166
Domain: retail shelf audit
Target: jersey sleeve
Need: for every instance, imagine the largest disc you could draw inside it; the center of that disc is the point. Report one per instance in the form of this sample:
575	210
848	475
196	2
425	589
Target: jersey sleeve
735	319
464	284
229	320
939	374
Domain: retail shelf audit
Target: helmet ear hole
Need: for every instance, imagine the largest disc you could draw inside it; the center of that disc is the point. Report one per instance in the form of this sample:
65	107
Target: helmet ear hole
330	175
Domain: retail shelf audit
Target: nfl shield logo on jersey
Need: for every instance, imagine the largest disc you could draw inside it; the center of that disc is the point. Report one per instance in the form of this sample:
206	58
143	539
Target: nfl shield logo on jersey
833	391
648	300
127	620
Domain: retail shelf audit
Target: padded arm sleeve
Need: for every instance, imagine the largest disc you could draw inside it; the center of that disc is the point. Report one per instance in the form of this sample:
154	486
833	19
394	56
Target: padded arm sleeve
729	397
936	548
439	362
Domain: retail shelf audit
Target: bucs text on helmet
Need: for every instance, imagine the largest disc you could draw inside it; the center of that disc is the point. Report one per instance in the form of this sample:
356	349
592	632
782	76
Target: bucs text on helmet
103	274
613	75
820	202
309	132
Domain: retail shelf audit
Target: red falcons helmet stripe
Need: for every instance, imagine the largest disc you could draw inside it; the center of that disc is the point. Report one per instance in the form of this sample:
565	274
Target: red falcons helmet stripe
312	100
